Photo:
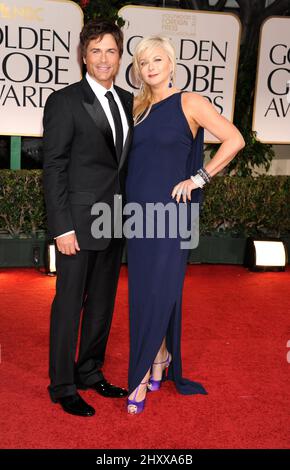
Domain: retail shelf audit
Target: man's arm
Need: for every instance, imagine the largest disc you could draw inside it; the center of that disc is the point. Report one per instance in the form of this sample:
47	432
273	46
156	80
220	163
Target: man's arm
57	138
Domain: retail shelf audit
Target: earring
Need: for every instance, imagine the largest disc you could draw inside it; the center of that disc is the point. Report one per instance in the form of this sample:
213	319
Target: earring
170	84
141	88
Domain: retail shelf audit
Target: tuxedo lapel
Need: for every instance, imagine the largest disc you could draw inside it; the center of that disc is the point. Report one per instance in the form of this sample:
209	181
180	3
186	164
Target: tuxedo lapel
95	110
127	106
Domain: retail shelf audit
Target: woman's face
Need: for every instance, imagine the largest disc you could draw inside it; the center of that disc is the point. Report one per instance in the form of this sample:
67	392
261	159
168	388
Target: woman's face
155	67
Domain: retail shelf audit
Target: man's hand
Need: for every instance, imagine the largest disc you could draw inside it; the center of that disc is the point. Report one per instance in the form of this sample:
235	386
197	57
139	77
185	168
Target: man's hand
67	244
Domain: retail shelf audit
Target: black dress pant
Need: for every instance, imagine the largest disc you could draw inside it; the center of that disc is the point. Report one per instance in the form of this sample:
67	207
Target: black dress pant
86	283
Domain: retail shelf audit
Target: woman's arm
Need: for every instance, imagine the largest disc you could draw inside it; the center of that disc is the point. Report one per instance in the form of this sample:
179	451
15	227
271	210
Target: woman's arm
201	113
206	116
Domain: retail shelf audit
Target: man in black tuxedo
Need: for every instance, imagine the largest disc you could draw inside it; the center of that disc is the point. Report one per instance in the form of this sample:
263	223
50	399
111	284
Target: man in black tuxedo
87	135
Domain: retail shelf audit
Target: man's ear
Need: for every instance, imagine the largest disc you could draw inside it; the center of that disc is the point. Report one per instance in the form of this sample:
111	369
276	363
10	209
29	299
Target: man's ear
84	61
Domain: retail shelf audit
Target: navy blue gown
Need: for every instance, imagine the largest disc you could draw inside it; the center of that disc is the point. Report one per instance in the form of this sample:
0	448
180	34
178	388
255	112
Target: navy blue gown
163	153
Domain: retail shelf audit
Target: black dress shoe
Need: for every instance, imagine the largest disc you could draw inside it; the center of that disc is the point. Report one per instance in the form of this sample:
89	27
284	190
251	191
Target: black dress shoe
75	405
106	389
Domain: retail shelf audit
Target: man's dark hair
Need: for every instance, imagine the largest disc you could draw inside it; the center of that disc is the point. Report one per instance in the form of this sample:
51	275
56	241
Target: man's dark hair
96	29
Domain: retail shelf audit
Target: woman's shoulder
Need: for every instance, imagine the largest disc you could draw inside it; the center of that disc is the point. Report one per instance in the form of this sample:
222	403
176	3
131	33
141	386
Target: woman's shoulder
195	104
193	97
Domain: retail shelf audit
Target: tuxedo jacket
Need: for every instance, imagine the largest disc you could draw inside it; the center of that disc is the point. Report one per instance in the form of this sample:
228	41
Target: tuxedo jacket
80	164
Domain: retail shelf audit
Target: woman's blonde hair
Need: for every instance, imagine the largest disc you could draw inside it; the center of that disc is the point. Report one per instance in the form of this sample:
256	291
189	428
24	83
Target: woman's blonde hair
144	98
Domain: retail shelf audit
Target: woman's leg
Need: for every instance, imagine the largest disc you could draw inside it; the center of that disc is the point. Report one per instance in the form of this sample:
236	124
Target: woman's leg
161	361
141	393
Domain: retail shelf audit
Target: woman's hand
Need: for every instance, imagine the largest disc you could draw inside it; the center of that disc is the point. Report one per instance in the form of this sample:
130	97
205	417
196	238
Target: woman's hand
183	189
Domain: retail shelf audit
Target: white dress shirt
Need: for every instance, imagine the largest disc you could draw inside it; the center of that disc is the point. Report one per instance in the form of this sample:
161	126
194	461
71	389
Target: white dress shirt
100	92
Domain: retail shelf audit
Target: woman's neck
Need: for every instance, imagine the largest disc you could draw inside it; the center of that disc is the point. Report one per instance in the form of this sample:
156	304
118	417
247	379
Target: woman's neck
161	94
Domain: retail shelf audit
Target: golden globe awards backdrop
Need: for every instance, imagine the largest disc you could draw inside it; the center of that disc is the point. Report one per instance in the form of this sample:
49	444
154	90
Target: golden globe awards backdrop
207	51
271	117
38	54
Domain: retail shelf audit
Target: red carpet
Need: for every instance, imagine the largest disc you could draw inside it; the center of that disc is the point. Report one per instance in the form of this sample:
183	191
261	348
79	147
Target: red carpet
235	334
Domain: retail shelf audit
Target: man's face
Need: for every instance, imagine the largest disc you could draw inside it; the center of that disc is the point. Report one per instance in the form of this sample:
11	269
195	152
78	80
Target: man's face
102	60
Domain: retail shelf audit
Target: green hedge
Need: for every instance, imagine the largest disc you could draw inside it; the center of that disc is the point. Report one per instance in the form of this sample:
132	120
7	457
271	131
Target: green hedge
237	205
247	206
22	210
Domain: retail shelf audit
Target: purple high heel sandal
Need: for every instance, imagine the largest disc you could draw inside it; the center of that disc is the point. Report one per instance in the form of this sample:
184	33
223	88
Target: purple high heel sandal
138	405
154	385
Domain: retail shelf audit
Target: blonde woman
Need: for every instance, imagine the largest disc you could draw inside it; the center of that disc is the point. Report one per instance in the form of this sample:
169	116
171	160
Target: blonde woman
165	165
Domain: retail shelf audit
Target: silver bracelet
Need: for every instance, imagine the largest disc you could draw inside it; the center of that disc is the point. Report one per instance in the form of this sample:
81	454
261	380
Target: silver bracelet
198	180
204	174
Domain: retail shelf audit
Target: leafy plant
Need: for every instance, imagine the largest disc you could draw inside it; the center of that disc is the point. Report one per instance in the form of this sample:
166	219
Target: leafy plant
102	8
22	208
247	206
234	205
